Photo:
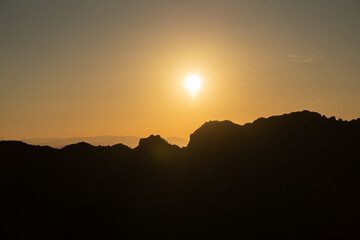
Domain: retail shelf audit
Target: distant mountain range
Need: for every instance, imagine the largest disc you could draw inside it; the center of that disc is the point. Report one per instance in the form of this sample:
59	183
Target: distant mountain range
130	141
294	176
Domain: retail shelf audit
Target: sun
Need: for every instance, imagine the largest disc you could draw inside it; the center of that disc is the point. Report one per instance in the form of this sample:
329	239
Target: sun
193	83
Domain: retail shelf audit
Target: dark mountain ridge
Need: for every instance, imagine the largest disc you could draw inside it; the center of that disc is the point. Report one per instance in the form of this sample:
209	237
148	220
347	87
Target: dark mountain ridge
290	176
225	131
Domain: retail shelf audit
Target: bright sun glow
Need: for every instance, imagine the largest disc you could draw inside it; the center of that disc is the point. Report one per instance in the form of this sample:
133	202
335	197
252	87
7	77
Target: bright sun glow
193	83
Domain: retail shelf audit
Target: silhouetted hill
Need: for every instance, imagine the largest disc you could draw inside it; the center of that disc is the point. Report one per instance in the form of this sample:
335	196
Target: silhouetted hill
81	146
154	142
156	147
292	176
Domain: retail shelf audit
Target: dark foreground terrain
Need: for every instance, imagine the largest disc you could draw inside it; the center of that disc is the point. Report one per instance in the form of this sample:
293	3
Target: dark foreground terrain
294	176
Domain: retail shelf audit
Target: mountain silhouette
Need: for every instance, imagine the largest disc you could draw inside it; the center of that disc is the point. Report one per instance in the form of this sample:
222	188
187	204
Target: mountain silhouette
154	142
292	176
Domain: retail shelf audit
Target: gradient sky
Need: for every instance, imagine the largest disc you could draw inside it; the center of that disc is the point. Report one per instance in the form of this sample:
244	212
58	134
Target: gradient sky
87	68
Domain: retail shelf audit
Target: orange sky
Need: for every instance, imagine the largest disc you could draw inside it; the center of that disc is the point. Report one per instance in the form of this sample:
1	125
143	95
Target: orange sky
117	67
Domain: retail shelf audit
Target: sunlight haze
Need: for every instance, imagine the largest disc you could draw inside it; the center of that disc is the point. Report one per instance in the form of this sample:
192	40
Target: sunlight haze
94	68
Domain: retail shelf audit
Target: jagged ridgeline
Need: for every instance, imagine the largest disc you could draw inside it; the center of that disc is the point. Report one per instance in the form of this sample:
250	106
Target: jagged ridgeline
293	176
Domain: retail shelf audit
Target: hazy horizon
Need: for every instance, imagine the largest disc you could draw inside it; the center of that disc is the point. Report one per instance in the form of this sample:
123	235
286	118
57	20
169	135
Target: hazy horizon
107	140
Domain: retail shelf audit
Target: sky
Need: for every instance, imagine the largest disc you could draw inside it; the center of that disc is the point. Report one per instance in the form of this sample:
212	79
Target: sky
76	68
